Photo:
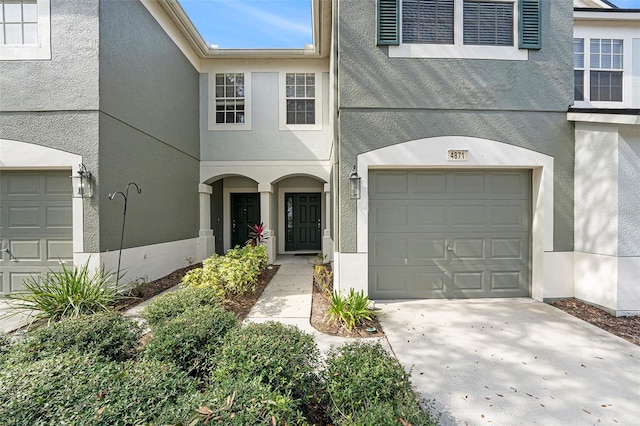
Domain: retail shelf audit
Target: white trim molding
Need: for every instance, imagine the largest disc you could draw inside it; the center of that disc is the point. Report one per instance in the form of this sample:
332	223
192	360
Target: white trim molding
482	154
29	52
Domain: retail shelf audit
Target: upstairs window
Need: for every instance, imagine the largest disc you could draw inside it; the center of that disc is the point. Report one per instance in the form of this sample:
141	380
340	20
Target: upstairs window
578	69
488	23
598	69
606	70
482	29
427	21
25	30
230	101
301	98
18	22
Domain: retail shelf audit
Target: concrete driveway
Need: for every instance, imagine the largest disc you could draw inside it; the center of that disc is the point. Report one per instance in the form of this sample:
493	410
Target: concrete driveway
514	362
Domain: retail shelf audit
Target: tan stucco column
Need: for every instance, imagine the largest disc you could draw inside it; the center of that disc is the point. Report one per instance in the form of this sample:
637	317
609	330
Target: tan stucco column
206	240
266	192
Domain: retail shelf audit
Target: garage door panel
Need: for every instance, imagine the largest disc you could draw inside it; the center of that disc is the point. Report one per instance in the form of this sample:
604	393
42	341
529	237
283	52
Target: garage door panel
25	250
23	184
484	216
18	279
511	248
431	183
59	250
392	183
58	217
388	249
24	217
59	184
426	249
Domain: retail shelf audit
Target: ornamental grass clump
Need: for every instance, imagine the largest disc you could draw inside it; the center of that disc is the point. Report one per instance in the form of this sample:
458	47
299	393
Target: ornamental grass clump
66	293
234	273
349	310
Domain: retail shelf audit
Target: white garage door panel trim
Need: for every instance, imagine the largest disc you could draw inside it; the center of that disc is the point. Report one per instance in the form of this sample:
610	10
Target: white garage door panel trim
482	153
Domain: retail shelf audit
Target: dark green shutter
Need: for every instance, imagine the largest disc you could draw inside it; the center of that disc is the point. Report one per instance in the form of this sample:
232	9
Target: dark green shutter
530	24
388	23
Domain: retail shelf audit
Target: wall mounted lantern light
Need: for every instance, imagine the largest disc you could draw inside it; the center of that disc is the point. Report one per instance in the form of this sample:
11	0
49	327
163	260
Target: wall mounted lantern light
354	184
82	183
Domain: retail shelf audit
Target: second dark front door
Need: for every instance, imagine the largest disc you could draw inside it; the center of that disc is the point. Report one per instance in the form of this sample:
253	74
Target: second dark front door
303	221
245	211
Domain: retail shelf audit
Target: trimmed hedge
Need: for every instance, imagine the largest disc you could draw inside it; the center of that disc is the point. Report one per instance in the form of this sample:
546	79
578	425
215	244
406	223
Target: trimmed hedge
170	305
107	335
245	401
191	339
78	389
282	357
234	273
366	385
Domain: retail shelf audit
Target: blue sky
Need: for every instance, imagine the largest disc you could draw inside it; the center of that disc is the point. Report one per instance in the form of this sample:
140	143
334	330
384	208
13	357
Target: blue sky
260	24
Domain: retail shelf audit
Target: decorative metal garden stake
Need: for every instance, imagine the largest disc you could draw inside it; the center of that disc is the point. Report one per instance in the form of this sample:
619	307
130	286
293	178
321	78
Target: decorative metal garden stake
125	195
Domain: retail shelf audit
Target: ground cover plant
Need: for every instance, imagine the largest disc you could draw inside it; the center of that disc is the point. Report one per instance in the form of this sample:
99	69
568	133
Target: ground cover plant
196	366
349	310
67	293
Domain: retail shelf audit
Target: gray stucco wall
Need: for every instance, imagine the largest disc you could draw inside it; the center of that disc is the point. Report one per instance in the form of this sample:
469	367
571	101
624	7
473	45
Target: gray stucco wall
384	101
629	191
264	141
67	82
148	129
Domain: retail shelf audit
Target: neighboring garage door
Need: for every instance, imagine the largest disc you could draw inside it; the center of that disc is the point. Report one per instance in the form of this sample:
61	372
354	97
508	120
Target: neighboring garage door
446	234
35	224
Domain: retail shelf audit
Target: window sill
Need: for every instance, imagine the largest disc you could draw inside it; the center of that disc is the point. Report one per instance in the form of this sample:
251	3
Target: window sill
600	104
508	53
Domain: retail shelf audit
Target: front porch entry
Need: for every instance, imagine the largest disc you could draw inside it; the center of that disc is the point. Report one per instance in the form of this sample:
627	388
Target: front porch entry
303	221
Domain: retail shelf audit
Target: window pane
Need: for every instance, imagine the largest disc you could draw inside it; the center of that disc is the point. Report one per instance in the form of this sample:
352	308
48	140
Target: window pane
240	105
13	33
488	23
291	91
240	118
1	33
229	92
219	105
578	85
291	105
311	118
606	86
311	91
12	11
617	46
310	79
219	79
30	11
290	79
30	33
240	91
605	61
219	91
240	79
427	21
300	91
617	62
230	117
219	117
291	117
299	78
300	117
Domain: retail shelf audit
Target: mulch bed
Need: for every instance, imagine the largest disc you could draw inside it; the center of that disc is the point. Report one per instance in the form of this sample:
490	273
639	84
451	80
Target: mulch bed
319	320
627	328
240	305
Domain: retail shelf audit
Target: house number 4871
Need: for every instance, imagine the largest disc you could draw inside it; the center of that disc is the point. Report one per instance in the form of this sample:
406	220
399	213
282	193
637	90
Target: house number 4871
457	154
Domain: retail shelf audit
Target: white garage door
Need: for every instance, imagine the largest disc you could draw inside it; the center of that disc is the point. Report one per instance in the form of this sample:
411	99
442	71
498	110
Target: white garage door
35	224
449	234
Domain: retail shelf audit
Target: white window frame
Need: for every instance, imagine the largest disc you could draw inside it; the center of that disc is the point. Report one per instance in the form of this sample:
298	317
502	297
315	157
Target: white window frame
626	35
39	51
212	102
282	102
458	49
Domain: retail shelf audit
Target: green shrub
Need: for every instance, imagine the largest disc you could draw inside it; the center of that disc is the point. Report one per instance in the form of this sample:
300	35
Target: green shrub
245	401
234	273
5	346
108	335
191	339
67	293
76	389
174	303
281	356
366	385
349	310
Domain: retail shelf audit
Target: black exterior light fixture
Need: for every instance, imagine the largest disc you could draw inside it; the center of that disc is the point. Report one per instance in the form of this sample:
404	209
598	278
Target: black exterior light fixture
354	185
82	183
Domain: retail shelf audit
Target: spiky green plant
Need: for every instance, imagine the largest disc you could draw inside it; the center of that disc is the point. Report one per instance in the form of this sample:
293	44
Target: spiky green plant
71	292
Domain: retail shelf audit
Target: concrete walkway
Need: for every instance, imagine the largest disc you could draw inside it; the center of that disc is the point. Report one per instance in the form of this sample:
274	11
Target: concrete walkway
287	299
